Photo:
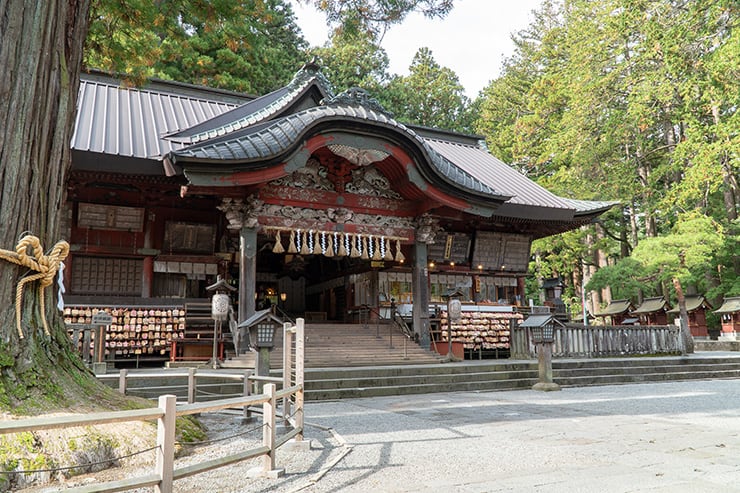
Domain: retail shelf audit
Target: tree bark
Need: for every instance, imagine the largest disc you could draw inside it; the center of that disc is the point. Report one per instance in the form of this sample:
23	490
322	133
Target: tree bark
41	54
688	341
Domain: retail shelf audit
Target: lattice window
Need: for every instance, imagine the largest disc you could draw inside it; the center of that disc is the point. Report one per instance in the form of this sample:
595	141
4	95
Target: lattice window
107	276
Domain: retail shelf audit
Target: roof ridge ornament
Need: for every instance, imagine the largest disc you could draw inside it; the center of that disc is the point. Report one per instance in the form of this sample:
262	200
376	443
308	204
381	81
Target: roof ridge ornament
356	96
308	72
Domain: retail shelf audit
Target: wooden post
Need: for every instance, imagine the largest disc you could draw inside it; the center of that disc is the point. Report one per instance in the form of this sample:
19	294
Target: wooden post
191	385
420	288
247	391
247	280
166	442
268	430
287	366
86	339
122	381
147	278
300	352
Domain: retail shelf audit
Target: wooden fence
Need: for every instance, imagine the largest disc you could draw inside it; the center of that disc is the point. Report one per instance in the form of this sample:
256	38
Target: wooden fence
164	474
579	341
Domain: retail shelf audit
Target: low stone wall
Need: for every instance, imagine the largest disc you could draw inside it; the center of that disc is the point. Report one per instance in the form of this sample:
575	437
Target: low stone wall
716	345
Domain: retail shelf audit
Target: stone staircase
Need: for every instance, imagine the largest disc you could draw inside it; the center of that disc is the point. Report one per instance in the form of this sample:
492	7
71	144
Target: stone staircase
347	345
339	383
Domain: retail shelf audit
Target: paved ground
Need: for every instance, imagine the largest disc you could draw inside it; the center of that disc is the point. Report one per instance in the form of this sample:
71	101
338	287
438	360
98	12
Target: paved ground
665	437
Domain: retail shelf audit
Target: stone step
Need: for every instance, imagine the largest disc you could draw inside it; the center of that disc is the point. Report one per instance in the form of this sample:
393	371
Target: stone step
347	345
337	383
421	388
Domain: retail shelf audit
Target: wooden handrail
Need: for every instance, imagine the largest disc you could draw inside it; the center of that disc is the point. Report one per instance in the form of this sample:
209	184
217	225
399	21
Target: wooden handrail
165	414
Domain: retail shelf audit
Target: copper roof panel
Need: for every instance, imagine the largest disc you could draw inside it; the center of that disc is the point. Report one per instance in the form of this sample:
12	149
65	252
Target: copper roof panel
117	120
496	174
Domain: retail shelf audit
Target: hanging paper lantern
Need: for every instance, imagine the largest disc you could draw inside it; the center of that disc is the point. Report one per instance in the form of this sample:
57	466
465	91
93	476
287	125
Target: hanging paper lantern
387	255
278	248
291	243
399	254
305	250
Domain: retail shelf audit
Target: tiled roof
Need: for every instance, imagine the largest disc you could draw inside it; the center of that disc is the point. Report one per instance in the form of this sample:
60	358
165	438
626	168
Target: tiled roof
693	303
730	305
113	119
651	305
615	307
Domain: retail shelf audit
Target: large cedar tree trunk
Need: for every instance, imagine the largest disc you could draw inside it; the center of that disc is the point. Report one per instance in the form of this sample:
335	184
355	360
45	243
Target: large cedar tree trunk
40	54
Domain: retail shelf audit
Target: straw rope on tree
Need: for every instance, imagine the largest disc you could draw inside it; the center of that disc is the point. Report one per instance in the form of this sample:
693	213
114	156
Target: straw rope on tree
46	267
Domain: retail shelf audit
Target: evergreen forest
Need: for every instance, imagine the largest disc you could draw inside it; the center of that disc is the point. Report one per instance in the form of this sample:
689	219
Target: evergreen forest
634	101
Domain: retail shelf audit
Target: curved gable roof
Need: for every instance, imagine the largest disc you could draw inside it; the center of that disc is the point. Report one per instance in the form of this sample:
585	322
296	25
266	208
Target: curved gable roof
261	109
277	138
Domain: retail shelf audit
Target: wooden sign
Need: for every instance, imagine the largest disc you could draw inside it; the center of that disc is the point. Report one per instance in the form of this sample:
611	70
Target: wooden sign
453	247
102	318
501	251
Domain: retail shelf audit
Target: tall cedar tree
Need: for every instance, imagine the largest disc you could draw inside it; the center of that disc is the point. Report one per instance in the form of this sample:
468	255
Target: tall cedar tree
41	55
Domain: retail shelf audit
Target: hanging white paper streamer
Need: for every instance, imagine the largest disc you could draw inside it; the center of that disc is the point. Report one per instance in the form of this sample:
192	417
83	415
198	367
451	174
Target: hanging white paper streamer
62	290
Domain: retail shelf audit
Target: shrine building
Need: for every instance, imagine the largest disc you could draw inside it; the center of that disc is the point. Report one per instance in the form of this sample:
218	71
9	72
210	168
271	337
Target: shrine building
320	203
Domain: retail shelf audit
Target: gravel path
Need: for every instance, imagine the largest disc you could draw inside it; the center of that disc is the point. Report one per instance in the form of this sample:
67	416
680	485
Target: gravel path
668	437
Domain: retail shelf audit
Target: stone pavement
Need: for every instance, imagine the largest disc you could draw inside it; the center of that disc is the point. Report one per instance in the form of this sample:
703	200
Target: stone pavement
663	437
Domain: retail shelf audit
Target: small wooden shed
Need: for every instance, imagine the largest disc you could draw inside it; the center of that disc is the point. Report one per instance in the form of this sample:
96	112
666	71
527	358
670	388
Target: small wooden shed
696	306
730	312
618	312
652	311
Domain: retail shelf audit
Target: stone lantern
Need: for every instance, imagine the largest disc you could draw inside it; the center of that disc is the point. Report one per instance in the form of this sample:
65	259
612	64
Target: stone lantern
542	328
261	328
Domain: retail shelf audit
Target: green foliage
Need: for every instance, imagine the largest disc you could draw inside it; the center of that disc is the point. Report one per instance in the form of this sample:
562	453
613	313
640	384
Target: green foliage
431	95
375	16
353	59
251	46
634	101
624	278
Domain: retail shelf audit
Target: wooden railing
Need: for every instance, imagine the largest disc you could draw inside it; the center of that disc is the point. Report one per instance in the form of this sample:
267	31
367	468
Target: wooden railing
579	341
395	323
164	474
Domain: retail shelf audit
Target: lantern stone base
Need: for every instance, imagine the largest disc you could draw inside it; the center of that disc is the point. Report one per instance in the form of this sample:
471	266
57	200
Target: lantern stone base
546	386
100	368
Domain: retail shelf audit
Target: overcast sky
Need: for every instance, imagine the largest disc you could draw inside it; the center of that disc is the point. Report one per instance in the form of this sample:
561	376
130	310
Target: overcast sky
472	40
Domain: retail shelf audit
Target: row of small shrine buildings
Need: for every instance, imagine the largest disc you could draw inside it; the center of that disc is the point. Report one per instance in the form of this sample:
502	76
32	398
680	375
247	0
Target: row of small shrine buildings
657	311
